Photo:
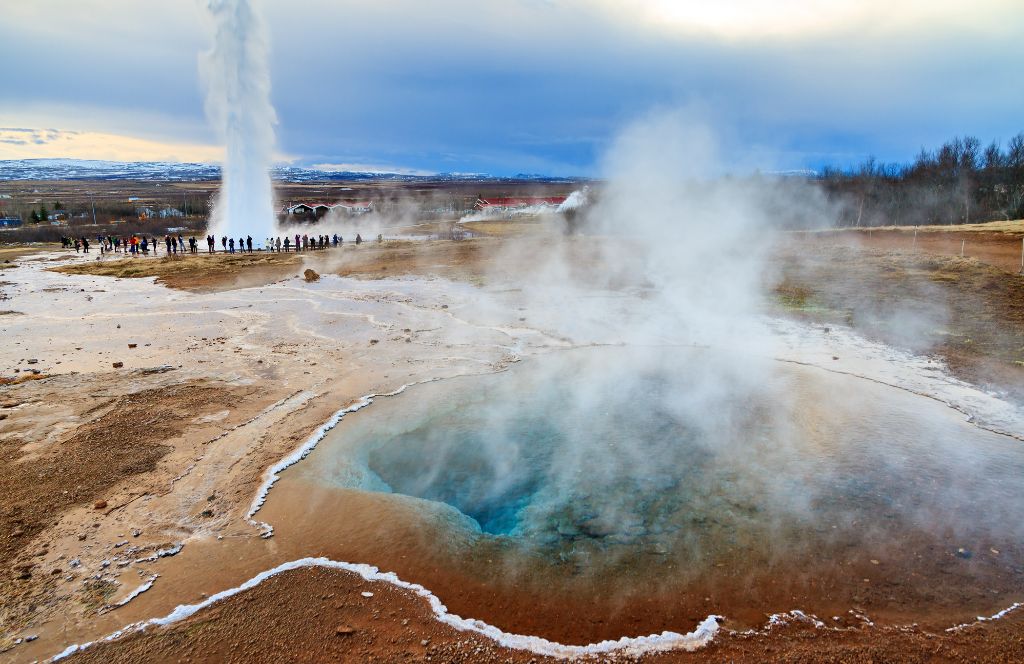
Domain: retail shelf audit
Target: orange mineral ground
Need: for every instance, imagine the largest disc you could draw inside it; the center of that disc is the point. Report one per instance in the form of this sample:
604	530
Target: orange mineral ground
882	506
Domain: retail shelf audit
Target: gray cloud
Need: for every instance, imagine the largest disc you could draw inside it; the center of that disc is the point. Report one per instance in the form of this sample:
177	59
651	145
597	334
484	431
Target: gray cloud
529	85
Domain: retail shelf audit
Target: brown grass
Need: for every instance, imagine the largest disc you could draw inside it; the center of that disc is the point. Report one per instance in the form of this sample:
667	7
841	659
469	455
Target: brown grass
196	272
1014	227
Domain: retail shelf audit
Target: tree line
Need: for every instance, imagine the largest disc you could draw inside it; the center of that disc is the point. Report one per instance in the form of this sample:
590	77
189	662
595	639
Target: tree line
961	182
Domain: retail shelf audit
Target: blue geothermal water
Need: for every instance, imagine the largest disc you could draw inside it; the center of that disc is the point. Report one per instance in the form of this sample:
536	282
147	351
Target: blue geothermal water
691	454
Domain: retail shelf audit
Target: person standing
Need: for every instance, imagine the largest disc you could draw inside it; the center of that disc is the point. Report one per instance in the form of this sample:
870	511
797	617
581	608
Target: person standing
231	245
248	243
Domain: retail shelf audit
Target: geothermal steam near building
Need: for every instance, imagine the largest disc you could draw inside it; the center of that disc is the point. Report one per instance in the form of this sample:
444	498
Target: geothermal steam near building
237	80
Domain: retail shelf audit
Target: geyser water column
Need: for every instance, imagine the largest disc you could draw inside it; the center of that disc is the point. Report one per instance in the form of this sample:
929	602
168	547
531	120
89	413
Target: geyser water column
237	80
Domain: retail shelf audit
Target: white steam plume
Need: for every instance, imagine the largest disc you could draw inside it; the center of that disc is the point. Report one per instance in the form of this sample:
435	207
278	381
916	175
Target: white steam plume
237	80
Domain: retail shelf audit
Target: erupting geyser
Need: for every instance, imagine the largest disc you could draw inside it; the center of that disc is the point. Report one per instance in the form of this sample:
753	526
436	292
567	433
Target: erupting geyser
237	80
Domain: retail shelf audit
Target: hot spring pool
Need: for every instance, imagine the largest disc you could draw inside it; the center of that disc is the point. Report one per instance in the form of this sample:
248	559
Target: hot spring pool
656	486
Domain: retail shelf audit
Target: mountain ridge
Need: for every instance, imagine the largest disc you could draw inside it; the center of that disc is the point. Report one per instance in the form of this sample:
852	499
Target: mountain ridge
97	169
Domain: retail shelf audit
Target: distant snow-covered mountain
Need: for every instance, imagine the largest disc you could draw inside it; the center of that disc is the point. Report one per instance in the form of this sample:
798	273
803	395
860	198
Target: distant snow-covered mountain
77	169
89	169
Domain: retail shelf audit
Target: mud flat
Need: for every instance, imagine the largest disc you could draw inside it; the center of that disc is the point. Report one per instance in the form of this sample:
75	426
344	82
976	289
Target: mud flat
154	414
232	382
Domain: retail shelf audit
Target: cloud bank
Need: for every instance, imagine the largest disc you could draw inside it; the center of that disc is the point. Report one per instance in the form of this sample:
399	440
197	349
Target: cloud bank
538	85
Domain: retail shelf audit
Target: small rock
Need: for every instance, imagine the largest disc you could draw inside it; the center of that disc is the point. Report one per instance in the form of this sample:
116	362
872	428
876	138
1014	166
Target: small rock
310	275
425	642
32	361
344	630
81	537
366	593
100	504
963	553
118	365
18	532
835	357
133	345
119	326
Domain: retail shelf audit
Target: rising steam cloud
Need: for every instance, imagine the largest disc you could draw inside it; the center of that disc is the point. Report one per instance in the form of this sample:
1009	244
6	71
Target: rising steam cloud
237	80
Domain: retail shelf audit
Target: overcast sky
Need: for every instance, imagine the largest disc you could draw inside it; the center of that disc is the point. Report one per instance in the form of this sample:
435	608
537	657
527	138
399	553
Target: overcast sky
520	86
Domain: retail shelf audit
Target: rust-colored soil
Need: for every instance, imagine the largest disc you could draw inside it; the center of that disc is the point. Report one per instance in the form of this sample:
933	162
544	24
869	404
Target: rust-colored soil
320	615
970	311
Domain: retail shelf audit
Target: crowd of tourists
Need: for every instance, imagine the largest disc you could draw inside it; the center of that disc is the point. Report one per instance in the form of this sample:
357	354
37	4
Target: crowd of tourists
308	242
136	245
133	244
